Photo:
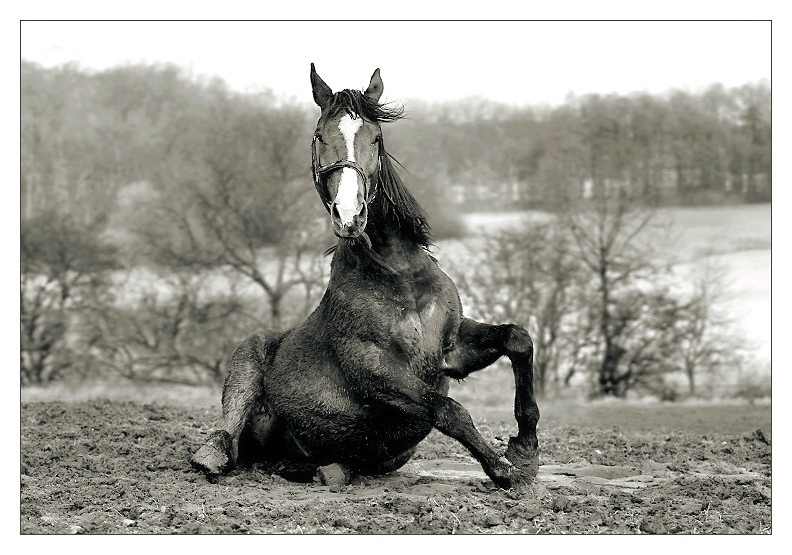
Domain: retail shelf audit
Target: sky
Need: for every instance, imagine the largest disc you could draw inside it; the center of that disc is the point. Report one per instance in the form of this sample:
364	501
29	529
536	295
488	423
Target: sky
515	62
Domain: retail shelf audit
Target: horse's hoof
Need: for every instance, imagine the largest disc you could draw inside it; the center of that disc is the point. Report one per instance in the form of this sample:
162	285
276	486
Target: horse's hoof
332	475
524	455
503	473
214	457
518	480
524	482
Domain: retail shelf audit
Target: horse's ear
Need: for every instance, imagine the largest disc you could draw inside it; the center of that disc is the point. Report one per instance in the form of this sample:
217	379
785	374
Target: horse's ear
321	92
374	90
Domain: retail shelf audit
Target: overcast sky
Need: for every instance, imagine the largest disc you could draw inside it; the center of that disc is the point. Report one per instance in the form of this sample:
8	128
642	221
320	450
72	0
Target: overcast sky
514	62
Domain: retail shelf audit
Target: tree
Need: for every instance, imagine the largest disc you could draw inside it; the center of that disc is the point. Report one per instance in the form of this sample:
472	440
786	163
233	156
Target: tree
556	165
706	342
231	237
649	136
179	331
245	204
529	276
644	334
755	136
64	274
608	231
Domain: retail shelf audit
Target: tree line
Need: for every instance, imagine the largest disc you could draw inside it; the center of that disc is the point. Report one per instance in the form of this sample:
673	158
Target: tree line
85	136
164	218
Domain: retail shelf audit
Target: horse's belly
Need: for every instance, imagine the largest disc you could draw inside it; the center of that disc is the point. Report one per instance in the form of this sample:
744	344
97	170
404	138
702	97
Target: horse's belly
349	430
324	416
374	439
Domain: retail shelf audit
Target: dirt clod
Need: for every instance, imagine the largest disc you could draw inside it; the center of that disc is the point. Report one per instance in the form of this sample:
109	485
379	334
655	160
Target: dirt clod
653	526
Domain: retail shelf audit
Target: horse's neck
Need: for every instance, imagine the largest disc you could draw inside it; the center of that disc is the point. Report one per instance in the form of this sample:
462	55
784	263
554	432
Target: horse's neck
401	255
390	256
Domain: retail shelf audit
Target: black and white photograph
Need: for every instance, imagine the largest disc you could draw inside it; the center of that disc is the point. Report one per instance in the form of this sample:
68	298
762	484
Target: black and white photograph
395	277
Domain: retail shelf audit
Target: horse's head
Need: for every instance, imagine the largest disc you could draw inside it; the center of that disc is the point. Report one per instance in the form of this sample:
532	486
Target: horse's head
346	152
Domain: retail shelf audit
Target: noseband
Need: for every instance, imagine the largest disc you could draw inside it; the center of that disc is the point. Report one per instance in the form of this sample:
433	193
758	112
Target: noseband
319	172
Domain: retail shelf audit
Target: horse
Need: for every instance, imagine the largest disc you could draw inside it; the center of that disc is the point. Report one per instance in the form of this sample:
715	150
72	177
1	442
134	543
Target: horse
355	388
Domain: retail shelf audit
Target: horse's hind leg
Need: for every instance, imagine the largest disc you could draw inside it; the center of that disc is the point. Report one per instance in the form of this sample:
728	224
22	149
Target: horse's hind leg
243	403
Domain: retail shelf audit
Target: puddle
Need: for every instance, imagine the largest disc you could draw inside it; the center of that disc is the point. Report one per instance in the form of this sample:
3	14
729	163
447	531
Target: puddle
624	478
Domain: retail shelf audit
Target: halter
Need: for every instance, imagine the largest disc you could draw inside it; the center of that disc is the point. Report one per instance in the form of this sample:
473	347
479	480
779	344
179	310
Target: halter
319	171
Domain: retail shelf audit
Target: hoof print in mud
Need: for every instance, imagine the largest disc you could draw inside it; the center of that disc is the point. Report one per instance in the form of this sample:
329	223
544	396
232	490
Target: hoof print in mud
214	456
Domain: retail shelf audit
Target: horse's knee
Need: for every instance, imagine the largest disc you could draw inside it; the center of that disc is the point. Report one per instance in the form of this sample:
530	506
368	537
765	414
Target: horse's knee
518	341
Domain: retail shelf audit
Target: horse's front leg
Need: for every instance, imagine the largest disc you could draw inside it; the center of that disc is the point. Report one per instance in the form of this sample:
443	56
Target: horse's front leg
454	421
477	346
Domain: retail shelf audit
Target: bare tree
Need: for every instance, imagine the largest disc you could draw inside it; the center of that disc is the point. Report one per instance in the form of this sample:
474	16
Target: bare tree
244	205
179	331
64	274
645	329
529	276
233	240
707	342
608	231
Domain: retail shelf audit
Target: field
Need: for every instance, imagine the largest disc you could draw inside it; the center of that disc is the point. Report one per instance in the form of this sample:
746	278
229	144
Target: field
102	467
114	459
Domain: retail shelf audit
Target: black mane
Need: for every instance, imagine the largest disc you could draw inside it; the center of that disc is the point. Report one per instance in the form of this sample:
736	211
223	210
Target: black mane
399	207
356	104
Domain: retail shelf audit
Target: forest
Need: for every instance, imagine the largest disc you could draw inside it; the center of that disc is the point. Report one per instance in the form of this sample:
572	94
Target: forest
163	218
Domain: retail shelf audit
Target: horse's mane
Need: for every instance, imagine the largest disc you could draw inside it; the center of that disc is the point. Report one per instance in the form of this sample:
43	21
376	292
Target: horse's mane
399	206
355	103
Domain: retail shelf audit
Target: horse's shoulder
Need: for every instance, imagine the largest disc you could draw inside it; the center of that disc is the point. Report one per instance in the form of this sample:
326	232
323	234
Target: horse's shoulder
267	337
447	286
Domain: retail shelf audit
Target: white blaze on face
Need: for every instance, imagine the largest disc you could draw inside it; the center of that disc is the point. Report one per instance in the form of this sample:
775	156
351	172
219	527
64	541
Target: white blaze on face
347	197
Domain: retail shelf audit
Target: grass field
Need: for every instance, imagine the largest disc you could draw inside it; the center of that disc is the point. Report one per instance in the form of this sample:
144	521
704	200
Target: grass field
695	232
713	230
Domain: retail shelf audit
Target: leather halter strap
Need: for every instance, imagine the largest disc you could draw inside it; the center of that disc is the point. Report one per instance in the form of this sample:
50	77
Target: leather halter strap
369	192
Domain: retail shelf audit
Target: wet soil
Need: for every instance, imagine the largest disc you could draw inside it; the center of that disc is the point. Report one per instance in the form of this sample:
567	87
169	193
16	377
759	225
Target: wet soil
102	467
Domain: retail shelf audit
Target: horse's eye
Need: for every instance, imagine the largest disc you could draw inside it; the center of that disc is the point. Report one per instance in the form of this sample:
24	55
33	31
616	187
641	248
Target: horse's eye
377	139
318	137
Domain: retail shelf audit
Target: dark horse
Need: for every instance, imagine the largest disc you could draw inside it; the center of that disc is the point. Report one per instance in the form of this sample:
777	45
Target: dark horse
365	378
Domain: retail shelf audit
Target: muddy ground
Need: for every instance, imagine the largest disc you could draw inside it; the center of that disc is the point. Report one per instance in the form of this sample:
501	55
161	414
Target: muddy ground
109	467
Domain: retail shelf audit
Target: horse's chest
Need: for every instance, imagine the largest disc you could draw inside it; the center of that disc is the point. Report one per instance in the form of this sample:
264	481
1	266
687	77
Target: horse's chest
418	331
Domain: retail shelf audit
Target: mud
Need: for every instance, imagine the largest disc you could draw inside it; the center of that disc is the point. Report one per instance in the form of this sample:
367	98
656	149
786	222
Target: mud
101	467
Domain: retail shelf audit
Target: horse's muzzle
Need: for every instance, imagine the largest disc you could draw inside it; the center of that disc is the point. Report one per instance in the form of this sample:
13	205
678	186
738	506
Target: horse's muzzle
351	229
